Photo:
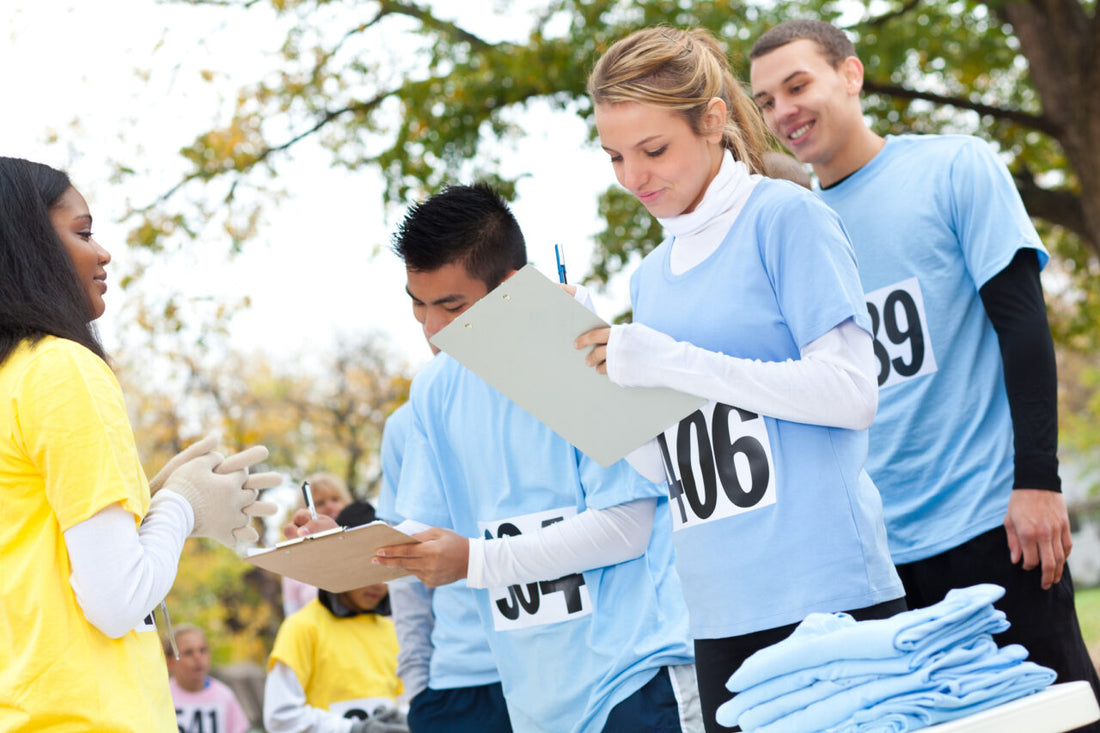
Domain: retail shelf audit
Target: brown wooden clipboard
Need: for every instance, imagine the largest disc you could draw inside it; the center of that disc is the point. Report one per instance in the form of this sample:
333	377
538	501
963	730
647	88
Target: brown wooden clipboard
337	560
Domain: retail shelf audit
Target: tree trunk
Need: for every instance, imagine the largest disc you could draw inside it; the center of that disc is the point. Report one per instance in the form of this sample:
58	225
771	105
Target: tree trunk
1059	40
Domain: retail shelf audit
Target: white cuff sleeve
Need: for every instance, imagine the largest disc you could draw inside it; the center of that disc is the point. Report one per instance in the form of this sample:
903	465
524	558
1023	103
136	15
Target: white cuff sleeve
834	383
592	539
285	708
120	573
584	297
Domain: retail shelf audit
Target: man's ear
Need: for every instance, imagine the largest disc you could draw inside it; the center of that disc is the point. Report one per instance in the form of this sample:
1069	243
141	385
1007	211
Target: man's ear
509	274
851	70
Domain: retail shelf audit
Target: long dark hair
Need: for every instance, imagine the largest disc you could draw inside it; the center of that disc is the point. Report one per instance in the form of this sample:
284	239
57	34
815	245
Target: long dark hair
40	294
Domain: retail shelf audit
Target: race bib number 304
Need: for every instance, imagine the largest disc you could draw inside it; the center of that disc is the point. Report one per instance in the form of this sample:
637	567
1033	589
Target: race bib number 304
719	463
544	602
899	326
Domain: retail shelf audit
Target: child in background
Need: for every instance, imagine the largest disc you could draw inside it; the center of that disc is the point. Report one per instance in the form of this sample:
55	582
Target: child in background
334	664
330	496
203	704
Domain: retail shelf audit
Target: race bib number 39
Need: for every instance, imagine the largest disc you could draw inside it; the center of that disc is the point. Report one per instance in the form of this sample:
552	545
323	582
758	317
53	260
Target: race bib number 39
543	602
719	463
899	326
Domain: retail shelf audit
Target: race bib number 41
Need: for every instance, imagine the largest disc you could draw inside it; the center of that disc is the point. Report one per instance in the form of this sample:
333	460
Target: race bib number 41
543	602
719	463
899	326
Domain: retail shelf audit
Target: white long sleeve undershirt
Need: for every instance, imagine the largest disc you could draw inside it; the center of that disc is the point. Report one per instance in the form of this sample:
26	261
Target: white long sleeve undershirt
286	710
594	538
121	572
834	383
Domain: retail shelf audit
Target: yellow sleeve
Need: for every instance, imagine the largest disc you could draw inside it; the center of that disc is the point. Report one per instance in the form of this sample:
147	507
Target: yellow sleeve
71	420
295	645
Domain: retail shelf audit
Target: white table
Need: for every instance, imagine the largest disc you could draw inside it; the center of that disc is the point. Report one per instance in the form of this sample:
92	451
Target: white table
1058	708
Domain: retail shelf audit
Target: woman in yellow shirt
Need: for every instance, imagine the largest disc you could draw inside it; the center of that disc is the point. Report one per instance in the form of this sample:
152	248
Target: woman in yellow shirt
87	553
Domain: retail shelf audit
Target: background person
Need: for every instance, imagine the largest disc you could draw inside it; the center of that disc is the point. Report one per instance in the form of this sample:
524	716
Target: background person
444	659
330	496
203	704
333	668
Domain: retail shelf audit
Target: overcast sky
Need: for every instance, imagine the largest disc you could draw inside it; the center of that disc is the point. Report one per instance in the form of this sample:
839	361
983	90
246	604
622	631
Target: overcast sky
83	83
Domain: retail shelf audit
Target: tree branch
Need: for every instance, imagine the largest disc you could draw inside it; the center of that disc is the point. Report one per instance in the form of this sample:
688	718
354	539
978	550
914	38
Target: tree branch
1035	122
267	152
395	7
887	17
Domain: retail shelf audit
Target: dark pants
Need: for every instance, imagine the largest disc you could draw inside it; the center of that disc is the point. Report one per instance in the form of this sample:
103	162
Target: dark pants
479	709
717	659
652	709
1043	621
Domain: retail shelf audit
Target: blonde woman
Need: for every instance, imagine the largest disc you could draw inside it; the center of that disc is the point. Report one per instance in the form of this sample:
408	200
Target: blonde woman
753	302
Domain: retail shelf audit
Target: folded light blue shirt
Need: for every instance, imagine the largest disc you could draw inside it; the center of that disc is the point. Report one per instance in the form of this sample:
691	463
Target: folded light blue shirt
822	638
912	670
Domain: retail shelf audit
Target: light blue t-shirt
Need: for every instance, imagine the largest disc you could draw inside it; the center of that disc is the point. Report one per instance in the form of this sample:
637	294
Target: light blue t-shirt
460	655
568	649
932	219
773	519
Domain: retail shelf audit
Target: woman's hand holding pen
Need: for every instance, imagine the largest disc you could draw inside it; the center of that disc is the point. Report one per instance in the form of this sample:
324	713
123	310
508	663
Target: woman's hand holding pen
596	338
302	524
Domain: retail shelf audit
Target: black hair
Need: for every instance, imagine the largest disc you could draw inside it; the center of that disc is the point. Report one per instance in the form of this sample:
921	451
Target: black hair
40	294
355	514
468	224
835	46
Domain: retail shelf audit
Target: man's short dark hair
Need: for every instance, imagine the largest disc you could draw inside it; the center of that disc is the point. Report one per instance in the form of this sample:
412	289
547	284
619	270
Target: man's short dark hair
834	44
468	224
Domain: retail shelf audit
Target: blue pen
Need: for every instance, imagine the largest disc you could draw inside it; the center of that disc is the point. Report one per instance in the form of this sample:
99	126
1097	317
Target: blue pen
559	255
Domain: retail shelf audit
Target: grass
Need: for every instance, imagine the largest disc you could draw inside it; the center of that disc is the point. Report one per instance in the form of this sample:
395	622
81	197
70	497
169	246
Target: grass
1088	615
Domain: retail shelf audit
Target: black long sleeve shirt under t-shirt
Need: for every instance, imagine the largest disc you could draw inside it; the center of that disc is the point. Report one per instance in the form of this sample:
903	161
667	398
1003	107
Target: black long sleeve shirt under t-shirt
1013	299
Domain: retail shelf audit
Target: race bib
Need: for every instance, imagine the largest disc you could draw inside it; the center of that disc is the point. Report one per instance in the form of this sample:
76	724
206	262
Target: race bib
201	718
718	462
899	326
360	709
544	602
146	624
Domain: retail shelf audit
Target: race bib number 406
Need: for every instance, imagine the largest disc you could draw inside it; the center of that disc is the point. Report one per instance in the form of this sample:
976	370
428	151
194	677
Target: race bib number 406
719	463
899	326
544	602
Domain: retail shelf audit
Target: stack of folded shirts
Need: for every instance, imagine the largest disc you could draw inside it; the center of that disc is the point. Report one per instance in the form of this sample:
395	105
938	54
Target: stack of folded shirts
915	669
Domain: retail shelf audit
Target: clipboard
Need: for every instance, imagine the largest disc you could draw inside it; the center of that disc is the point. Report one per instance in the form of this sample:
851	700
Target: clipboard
336	560
519	339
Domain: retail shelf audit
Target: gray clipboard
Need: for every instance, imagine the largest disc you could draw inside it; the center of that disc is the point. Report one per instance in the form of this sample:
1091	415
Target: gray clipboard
336	560
519	338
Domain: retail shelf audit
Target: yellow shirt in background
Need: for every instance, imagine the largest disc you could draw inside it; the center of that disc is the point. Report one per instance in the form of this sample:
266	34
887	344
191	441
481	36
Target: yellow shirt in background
339	661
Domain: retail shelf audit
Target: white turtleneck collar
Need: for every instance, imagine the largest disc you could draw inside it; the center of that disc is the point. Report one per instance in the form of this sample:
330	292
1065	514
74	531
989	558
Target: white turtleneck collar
698	234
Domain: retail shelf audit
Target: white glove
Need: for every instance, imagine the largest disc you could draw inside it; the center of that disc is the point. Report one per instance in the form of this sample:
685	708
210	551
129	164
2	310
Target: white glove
383	721
218	498
196	449
256	481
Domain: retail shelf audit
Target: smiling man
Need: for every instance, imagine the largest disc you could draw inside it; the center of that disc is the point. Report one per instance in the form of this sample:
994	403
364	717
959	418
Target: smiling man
963	448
